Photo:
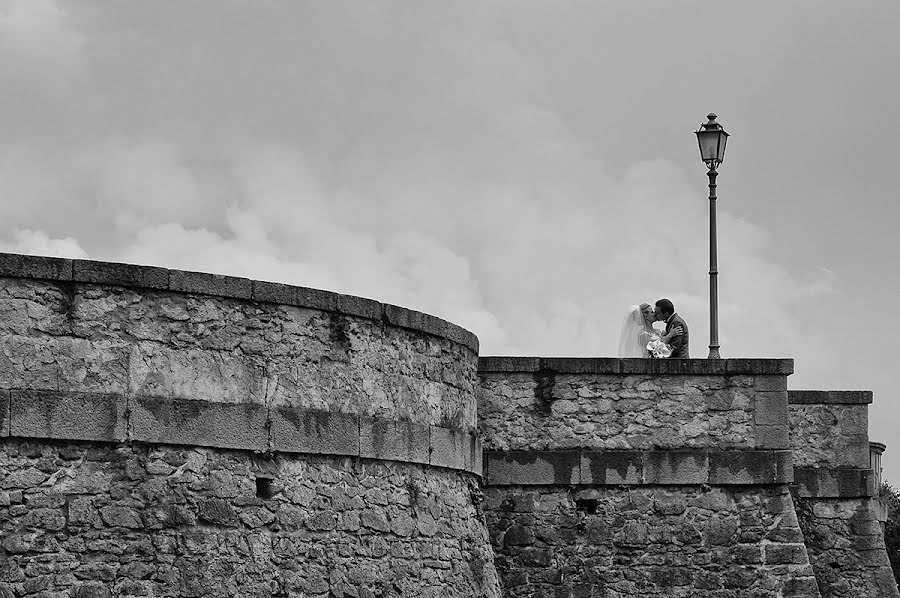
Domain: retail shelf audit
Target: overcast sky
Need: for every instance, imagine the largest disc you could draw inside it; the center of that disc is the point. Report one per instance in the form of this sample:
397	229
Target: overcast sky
525	169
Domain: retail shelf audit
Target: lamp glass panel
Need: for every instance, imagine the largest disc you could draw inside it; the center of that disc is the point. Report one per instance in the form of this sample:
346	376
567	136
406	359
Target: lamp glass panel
723	139
709	144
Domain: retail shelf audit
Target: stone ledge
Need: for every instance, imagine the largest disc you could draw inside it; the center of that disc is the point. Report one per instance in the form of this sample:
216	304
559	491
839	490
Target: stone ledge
15	265
394	440
111	273
210	284
182	281
315	432
240	426
820	482
829	397
198	423
624	467
671	367
67	415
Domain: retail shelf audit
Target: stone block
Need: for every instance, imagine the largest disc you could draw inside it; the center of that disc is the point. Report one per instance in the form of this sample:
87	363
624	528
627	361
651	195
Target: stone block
394	440
407	318
770	408
772	437
611	467
785	554
34	266
770	383
4	413
526	468
801	587
273	292
581	365
813	482
760	367
202	423
833	397
210	284
462	337
67	416
674	367
749	467
360	307
488	365
450	448
316	299
316	432
124	275
675	467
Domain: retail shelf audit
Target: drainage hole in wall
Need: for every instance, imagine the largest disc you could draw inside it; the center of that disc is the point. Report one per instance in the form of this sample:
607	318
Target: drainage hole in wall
264	488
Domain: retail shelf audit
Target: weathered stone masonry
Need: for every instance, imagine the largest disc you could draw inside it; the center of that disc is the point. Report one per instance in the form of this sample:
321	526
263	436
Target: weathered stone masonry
617	478
166	433
836	495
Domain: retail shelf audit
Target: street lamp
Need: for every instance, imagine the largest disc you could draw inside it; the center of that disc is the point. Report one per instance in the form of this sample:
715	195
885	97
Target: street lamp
712	139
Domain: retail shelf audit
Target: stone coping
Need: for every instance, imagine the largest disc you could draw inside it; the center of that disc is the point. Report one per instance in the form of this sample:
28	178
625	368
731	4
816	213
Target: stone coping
241	426
14	265
829	397
612	365
834	482
634	467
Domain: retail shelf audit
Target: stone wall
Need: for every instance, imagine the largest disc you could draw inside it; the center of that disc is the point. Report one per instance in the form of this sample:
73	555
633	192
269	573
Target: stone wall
98	520
167	433
616	478
537	404
835	493
110	328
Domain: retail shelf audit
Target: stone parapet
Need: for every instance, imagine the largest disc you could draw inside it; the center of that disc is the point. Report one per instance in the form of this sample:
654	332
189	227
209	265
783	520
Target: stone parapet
609	365
94	327
150	277
47	415
830	397
635	468
633	404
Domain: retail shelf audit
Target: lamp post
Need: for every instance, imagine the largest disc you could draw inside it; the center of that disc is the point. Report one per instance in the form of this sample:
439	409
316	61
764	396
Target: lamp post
712	139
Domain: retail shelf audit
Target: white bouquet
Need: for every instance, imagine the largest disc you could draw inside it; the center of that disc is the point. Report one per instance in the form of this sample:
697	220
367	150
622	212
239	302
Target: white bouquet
657	348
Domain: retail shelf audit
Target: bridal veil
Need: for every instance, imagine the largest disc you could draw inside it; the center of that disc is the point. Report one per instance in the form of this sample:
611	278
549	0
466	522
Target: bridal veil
631	342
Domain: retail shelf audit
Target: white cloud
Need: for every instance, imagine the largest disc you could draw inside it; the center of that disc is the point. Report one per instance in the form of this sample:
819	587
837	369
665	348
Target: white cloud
38	34
37	242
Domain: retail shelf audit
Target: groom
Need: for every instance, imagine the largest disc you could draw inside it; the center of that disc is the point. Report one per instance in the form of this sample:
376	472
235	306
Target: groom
676	329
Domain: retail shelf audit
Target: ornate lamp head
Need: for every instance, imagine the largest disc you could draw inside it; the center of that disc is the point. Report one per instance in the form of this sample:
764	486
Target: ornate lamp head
712	139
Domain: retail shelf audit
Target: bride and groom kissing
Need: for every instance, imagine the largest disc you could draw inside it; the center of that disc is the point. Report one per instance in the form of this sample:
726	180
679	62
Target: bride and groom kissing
640	339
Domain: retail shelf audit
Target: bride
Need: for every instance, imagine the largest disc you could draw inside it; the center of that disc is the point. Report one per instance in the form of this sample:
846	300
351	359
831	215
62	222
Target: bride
636	331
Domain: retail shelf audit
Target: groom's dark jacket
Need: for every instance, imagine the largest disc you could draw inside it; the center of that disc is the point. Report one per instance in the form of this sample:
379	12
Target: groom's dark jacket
679	342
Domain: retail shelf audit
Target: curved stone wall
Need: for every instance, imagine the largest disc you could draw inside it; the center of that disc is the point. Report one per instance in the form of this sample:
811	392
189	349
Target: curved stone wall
171	433
110	328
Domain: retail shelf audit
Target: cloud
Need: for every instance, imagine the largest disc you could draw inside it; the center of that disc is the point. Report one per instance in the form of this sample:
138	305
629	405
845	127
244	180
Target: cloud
37	242
38	42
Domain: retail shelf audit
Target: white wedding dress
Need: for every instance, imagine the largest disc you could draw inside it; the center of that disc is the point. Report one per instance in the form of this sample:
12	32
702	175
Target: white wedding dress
635	334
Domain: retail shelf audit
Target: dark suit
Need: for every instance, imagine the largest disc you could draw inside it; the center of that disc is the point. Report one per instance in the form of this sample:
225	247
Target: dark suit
679	342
